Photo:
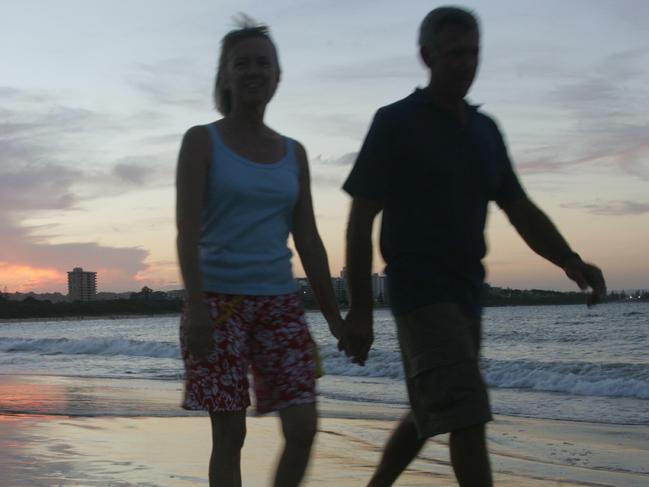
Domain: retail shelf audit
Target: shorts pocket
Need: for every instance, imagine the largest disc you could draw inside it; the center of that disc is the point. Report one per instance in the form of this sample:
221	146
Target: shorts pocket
443	388
435	336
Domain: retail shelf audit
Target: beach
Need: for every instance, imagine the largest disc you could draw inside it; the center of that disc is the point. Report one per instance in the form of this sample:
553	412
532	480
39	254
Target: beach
97	403
113	451
172	451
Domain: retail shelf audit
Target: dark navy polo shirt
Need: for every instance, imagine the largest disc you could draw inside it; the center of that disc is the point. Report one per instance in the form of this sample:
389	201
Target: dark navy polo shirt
435	179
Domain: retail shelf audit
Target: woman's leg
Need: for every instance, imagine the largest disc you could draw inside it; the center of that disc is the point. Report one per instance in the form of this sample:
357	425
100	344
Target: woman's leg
228	434
299	424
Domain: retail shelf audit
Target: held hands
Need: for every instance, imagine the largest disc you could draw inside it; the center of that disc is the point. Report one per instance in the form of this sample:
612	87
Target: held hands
198	332
358	335
587	276
336	327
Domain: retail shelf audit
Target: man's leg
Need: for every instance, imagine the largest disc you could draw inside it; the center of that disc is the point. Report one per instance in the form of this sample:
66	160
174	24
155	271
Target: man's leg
470	458
228	434
402	447
299	424
440	346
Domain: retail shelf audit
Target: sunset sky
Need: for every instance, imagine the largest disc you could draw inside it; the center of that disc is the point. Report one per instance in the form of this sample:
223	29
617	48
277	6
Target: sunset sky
95	96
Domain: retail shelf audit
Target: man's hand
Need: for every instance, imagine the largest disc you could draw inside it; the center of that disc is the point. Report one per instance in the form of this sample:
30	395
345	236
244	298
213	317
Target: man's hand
198	332
587	276
358	335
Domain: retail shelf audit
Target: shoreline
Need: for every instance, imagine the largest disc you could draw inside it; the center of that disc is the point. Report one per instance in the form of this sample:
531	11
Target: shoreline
118	316
40	319
98	446
132	397
44	450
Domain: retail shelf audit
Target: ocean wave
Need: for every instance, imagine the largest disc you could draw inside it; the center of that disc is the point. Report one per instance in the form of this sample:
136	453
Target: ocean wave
577	378
379	364
90	346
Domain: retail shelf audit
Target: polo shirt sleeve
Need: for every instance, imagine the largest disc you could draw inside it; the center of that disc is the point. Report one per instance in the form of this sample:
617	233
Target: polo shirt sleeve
369	176
510	188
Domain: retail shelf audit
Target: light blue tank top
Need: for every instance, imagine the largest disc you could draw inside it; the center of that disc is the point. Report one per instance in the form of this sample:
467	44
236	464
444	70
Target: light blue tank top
247	216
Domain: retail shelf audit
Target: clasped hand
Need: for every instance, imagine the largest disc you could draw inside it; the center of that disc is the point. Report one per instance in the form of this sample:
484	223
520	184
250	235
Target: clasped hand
356	336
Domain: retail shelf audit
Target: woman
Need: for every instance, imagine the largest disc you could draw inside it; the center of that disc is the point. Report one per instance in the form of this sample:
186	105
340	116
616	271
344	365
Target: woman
241	188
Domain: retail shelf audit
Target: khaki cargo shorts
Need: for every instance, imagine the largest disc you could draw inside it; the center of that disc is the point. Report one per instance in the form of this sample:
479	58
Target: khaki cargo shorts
440	347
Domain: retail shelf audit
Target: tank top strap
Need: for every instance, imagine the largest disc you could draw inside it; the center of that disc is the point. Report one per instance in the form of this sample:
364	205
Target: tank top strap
290	145
214	135
217	142
290	151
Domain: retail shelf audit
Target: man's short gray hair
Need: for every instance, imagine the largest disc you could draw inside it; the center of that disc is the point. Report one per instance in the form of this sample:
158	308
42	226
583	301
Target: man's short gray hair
442	17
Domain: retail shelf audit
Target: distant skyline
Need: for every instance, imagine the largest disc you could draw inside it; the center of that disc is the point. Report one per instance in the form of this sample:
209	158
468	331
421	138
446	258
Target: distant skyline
95	97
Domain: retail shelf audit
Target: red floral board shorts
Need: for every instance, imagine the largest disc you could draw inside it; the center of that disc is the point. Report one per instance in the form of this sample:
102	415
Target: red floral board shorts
264	335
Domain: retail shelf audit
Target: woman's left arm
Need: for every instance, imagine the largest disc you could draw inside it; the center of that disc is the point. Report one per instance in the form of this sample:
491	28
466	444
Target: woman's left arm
311	249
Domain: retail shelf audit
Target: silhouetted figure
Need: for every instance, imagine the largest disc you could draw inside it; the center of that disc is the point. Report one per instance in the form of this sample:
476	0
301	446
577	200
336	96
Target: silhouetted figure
431	162
241	189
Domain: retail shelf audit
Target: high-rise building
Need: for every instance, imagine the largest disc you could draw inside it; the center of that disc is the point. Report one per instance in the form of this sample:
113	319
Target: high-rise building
82	285
379	289
340	290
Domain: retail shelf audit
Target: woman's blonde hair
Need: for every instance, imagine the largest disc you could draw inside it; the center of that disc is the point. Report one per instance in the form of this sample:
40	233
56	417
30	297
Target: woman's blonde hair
247	28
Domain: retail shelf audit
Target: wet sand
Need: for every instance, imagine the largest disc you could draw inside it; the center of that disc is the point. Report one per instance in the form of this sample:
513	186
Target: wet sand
112	451
64	432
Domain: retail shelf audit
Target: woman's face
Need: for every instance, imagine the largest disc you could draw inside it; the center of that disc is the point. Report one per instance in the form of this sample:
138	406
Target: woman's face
251	73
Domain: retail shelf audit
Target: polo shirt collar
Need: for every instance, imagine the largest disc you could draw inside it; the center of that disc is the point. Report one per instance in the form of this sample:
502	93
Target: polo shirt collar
419	96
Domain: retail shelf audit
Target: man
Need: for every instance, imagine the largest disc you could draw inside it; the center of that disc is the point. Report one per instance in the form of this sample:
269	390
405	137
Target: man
431	163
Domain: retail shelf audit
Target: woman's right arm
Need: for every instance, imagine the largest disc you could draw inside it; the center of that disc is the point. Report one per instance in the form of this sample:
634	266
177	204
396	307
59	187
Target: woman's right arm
191	179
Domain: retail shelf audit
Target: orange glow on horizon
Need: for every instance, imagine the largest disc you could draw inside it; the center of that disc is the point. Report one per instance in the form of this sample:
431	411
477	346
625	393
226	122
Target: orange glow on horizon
159	274
25	278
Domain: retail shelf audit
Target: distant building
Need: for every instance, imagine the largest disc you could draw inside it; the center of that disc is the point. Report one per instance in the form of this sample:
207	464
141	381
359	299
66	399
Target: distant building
82	285
343	274
340	290
380	289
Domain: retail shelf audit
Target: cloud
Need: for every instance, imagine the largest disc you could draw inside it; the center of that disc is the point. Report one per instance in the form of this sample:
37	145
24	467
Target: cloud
350	125
157	273
28	262
43	133
171	82
331	171
131	173
612	208
344	160
49	161
47	141
164	140
608	121
36	187
394	67
8	92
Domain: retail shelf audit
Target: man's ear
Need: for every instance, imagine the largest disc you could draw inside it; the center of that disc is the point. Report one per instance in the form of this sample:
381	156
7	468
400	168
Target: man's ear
426	56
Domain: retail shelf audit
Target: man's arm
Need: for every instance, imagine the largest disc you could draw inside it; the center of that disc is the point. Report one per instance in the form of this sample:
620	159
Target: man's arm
542	236
359	334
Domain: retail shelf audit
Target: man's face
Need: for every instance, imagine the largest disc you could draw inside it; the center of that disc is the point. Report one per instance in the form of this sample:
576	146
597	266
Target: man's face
454	60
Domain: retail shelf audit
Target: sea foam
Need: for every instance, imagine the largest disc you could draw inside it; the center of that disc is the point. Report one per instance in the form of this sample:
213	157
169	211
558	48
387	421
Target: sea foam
91	346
